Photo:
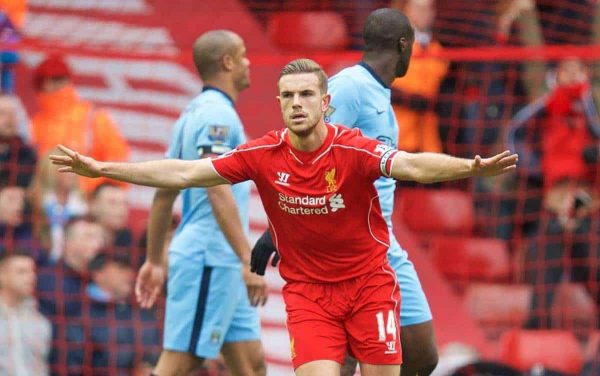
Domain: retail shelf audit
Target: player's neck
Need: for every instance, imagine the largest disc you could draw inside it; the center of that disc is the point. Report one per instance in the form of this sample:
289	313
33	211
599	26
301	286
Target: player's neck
225	86
310	141
383	66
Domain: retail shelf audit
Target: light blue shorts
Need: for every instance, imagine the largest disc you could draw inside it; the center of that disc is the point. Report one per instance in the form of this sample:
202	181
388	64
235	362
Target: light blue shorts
414	308
206	306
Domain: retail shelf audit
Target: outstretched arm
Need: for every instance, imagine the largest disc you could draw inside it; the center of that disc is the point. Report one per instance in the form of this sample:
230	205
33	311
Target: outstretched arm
167	173
433	167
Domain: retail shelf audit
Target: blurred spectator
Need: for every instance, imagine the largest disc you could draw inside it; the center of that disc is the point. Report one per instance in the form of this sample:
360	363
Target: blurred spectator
570	138
109	207
546	22
66	119
62	294
414	95
525	15
56	200
15	10
15	229
17	159
120	333
12	13
112	278
25	339
510	11
566	246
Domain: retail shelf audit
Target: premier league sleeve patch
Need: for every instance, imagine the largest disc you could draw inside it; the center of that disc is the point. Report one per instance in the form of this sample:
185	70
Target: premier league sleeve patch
218	133
330	110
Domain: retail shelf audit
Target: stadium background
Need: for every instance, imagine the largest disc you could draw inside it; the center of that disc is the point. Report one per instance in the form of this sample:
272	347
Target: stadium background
468	240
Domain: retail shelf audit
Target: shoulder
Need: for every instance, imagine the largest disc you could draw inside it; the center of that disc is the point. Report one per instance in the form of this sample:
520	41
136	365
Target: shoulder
353	139
346	81
213	112
271	140
210	105
344	133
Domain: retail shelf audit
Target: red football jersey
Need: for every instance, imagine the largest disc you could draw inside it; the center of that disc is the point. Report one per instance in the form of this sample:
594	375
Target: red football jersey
322	206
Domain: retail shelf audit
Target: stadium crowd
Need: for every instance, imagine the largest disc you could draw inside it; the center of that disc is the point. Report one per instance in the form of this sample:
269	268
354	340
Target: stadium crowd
68	256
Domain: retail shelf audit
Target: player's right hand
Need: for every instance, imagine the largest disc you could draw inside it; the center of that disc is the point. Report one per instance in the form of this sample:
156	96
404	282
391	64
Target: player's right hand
257	287
149	283
74	162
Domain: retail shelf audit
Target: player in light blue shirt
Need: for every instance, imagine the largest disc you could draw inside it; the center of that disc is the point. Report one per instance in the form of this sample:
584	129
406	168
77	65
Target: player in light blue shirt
361	98
210	290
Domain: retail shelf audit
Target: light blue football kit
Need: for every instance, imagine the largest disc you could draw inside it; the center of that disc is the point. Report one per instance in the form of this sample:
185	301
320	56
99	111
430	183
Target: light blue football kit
361	100
207	300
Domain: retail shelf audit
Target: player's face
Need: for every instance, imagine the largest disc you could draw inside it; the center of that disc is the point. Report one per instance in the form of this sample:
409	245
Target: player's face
241	72
405	52
302	102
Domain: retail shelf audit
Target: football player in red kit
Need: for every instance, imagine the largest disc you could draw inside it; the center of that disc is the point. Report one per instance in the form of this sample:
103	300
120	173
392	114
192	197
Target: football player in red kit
316	183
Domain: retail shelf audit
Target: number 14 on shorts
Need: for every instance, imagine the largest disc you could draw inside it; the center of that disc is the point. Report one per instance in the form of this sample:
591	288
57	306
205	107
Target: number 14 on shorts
387	328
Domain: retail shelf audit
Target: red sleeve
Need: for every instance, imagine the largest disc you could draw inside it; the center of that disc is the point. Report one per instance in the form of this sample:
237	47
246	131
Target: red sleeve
234	165
242	163
373	158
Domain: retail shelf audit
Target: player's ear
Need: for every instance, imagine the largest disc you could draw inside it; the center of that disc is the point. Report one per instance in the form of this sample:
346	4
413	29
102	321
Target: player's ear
402	44
326	101
227	61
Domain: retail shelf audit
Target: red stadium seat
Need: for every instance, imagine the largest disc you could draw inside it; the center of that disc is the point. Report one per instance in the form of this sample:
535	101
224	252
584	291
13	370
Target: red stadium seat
498	307
491	303
437	211
308	30
464	260
553	349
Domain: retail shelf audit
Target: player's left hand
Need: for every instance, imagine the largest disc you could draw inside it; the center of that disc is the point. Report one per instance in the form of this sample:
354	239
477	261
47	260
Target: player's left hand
496	165
257	287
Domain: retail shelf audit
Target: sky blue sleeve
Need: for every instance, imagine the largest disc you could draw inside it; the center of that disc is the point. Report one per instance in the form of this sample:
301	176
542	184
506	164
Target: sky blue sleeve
175	146
219	132
345	102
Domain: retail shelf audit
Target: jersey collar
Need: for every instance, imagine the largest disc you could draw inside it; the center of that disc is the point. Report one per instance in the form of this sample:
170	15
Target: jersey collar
372	72
207	88
312	156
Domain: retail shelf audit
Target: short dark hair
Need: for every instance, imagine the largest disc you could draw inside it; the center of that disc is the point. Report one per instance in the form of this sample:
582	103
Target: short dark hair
306	66
102	258
6	255
384	27
74	220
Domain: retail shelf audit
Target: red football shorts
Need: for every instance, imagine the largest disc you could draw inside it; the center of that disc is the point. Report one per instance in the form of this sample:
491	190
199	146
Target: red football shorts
359	316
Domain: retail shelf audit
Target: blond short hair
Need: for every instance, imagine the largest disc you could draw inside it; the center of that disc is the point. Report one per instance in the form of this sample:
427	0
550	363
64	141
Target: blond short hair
306	66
